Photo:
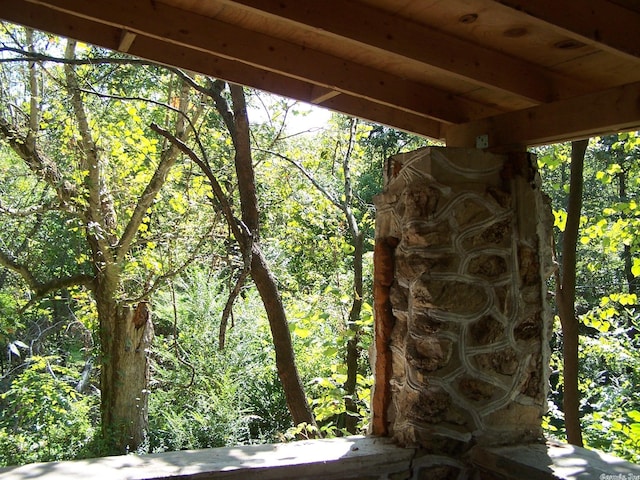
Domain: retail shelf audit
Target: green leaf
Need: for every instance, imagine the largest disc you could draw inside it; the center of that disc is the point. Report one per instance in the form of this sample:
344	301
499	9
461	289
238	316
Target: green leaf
330	352
560	217
301	332
635	268
628	299
634	415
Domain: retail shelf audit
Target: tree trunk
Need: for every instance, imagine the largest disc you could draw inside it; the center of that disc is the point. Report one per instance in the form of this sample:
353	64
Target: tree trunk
353	345
285	359
262	277
246	234
126	331
627	256
357	241
126	335
566	296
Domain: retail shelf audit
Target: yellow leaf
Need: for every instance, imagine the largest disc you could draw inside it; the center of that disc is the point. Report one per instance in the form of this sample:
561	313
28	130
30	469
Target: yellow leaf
635	269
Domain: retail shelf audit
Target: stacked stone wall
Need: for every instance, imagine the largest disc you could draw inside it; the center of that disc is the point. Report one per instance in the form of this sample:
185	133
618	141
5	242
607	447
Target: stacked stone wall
468	344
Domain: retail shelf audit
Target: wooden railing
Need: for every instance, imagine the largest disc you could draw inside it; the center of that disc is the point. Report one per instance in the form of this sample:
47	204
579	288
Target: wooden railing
340	458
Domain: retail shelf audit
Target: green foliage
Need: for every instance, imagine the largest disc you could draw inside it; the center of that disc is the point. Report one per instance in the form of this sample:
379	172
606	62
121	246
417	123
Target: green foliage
329	406
203	397
320	336
607	288
10	323
43	417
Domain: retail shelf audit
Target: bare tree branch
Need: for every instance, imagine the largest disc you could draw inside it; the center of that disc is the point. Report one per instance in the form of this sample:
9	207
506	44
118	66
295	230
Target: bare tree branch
56	284
167	160
23	245
158	179
7	261
100	205
307	174
39	164
228	308
238	232
29	56
244	161
348	185
42	288
26	212
215	91
34	111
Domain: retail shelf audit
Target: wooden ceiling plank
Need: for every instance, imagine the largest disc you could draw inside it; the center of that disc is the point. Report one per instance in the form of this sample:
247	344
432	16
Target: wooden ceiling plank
288	87
42	18
604	24
391	117
208	35
608	111
400	37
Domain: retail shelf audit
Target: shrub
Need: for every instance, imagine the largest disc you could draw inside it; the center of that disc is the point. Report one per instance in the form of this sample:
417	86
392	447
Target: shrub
43	417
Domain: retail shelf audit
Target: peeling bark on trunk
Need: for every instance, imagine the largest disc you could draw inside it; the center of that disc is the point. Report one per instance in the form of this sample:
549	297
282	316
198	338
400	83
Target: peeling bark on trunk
125	375
126	332
383	275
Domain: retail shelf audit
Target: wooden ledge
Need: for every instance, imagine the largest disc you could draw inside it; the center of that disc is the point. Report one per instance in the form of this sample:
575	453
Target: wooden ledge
551	461
338	458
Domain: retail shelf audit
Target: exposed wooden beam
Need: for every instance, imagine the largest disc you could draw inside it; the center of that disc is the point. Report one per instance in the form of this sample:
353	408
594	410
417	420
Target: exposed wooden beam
172	36
597	22
107	36
126	40
286	86
172	25
609	111
403	38
320	95
387	116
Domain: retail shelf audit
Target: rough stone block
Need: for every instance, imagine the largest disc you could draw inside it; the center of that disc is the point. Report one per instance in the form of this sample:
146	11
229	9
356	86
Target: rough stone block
470	339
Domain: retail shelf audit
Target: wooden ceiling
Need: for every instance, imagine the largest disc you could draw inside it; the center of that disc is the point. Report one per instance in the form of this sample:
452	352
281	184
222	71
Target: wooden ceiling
505	73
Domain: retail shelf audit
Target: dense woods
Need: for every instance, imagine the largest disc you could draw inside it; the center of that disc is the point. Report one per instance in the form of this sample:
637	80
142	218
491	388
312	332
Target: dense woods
184	264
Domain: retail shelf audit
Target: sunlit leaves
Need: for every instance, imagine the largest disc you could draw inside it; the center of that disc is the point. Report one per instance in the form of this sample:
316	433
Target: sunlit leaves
606	303
635	268
47	418
560	217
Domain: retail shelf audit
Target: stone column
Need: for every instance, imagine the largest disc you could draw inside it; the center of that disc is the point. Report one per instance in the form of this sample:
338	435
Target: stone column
462	253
